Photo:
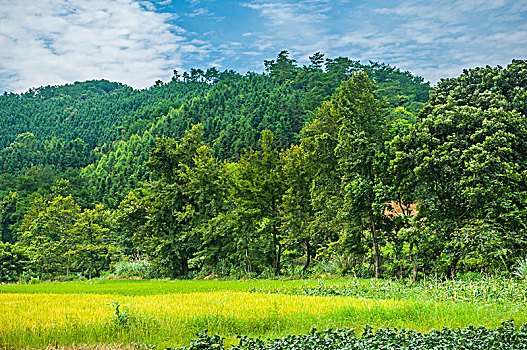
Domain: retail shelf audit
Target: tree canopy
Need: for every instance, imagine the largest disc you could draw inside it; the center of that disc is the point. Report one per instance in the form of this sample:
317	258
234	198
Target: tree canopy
218	173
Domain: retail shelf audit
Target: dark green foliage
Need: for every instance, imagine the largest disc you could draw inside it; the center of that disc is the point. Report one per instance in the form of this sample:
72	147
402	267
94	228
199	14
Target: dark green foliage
94	111
163	220
136	152
13	262
67	126
467	157
507	336
401	89
204	342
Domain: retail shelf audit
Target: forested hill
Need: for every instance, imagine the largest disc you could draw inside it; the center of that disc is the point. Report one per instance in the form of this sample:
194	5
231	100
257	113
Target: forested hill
109	127
332	164
61	125
88	146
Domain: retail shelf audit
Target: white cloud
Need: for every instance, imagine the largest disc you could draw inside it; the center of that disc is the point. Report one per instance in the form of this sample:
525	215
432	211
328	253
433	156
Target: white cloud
290	13
58	41
298	26
202	11
433	39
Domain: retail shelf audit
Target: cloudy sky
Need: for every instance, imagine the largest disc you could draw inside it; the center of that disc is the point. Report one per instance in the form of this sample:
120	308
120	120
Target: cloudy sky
49	42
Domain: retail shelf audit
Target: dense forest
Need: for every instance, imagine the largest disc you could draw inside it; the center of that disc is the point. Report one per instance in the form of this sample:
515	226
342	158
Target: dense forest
356	168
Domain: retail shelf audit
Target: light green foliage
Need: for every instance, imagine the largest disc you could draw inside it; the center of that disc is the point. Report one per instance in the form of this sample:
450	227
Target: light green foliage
139	268
94	247
481	290
59	236
520	269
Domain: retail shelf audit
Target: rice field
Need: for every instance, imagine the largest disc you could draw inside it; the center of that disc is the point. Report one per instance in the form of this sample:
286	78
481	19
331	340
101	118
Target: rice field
170	313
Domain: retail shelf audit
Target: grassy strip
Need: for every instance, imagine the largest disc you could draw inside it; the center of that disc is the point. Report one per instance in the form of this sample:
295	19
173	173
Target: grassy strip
152	287
40	320
488	290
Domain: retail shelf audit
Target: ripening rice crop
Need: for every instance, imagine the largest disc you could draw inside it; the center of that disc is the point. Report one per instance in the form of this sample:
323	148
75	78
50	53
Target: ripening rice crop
38	320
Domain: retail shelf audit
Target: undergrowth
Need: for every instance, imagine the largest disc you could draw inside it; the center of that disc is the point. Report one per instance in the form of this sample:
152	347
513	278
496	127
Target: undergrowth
505	337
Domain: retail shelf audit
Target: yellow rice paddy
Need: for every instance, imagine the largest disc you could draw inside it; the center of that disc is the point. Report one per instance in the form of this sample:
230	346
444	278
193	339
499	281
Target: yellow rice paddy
40	320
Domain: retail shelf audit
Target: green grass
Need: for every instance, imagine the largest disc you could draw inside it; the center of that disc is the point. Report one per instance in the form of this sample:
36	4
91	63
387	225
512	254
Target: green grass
484	290
153	287
170	313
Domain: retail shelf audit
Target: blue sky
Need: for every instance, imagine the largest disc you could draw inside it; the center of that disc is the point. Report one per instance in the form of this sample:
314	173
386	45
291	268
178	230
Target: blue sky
48	42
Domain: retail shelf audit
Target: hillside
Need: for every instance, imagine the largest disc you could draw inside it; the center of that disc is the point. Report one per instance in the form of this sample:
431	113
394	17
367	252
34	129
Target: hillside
94	152
109	127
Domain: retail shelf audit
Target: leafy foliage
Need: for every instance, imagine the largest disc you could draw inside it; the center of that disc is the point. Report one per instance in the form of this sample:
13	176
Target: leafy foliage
470	338
217	173
13	262
483	290
467	156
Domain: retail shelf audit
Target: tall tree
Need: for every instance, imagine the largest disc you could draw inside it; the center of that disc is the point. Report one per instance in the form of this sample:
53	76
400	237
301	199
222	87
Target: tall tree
363	156
94	246
296	209
468	156
258	188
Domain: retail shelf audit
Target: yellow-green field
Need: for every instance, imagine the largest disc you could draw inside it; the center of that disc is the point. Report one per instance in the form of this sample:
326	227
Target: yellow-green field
62	314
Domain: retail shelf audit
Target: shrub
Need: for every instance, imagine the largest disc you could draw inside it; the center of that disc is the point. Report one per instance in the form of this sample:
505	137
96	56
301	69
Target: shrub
507	336
520	269
136	268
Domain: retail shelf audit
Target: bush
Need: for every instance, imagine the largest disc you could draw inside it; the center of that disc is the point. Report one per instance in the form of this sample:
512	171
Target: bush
520	270
507	336
34	280
325	268
137	268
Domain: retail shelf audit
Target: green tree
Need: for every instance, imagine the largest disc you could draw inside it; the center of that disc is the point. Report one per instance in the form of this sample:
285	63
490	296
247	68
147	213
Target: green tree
284	69
33	237
296	209
57	219
363	156
8	217
13	262
467	153
168	214
257	189
93	247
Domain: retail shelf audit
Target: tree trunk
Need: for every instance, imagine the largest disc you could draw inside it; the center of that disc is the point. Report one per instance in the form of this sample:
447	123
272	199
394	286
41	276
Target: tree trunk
308	256
91	267
248	265
376	252
276	252
91	252
184	266
453	266
67	266
413	259
278	259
